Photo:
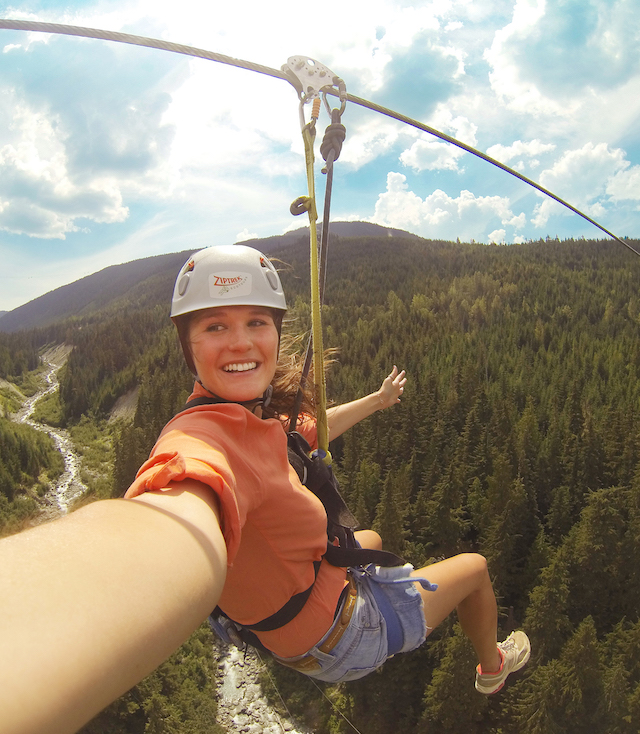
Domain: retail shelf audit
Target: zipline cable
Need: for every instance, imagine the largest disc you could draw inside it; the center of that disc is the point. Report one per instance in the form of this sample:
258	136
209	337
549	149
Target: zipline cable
70	30
27	25
447	138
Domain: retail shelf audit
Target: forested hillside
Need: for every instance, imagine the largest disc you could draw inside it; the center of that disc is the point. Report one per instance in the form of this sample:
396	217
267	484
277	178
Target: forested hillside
518	437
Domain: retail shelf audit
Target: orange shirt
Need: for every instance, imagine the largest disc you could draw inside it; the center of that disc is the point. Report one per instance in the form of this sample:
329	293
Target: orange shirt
274	527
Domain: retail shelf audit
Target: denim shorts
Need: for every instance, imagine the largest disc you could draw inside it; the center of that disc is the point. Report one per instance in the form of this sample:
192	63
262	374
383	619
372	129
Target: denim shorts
363	646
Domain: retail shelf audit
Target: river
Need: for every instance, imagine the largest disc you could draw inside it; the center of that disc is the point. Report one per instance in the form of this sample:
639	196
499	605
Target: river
69	486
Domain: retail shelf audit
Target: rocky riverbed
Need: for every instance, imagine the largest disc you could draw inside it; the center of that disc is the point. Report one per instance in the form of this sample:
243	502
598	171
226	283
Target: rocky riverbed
69	485
242	706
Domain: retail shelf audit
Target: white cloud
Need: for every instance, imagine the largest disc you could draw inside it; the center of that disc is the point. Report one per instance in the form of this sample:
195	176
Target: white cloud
562	60
506	153
519	221
245	235
625	185
40	198
580	177
368	139
439	215
506	78
429	154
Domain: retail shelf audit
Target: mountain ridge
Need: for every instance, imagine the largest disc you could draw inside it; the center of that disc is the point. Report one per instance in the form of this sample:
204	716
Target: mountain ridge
92	293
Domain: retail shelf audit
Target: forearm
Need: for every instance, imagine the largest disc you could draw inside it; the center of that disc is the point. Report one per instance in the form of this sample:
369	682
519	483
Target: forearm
92	603
342	417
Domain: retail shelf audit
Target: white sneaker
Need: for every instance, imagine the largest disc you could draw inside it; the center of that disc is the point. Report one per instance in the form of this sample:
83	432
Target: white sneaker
515	652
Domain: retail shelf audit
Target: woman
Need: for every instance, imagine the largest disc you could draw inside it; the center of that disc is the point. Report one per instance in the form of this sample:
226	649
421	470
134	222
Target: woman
228	307
218	516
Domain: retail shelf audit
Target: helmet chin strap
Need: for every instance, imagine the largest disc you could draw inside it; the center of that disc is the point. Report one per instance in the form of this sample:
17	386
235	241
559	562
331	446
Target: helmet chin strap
250	405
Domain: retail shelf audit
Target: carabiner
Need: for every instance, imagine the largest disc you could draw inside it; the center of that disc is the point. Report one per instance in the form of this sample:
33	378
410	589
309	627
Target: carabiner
342	95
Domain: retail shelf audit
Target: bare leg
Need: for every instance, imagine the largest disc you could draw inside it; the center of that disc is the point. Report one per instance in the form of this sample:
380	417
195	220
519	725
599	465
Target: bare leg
369	539
464	584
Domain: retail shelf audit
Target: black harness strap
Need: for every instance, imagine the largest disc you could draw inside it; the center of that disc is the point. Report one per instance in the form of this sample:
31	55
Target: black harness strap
320	479
286	613
200	401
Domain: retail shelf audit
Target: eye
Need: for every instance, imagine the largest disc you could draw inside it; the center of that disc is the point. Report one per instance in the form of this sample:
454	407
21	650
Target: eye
214	327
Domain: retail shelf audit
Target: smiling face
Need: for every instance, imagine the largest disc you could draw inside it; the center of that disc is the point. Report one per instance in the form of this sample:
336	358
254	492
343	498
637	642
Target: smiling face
235	350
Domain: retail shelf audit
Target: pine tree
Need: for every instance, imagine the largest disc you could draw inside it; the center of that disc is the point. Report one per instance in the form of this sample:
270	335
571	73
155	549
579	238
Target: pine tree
389	519
547	619
451	703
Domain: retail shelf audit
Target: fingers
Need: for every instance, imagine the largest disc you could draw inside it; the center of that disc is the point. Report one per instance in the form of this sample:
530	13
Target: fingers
393	385
398	378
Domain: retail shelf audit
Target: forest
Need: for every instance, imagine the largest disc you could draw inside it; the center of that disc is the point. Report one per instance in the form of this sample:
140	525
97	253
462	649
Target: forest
518	436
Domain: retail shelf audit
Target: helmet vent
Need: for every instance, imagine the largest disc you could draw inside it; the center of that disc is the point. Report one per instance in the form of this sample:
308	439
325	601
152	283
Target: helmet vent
183	284
272	278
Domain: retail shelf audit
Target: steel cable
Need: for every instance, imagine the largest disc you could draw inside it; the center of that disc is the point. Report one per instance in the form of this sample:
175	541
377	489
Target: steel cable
448	139
178	48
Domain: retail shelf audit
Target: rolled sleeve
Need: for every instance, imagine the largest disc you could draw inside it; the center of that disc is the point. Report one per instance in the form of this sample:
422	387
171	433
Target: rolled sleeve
162	469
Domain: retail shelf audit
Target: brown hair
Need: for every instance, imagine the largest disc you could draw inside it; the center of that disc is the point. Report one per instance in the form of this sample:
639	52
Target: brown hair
286	382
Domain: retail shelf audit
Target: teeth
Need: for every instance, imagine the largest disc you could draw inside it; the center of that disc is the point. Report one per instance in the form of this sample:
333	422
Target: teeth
241	367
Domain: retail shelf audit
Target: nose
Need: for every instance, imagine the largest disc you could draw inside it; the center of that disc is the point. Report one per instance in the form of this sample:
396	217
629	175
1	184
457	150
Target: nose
240	340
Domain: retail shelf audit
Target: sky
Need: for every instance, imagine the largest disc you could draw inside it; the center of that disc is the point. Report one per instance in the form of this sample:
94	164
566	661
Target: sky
111	152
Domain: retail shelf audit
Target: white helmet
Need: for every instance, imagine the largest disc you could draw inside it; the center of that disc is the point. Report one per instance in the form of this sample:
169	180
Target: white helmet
228	275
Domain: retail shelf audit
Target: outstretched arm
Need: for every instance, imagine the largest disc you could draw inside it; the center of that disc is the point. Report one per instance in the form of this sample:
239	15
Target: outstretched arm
341	417
92	603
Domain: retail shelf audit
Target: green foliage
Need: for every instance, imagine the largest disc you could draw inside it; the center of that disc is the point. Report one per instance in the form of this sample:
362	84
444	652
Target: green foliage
130	345
49	411
452	681
518	433
93	441
18	354
28	460
11	400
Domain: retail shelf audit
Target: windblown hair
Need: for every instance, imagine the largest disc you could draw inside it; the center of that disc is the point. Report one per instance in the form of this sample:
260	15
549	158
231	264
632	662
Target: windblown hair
287	381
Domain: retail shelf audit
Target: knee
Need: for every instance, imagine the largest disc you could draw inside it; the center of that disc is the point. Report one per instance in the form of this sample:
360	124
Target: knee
369	539
374	540
476	565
